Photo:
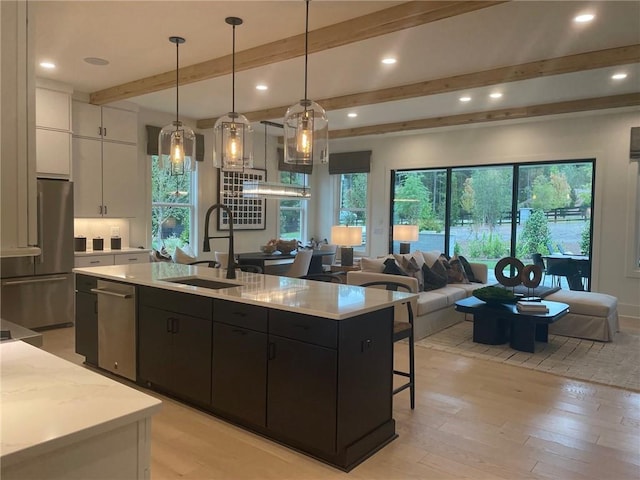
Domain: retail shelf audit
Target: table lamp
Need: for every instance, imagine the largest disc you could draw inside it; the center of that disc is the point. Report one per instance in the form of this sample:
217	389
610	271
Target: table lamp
405	234
347	237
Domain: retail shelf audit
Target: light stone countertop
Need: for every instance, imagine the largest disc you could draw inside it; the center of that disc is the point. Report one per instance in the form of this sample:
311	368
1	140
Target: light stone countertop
48	403
108	251
322	299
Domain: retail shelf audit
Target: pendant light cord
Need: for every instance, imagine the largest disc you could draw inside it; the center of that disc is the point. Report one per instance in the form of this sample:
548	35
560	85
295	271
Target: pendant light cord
177	83
233	71
306	49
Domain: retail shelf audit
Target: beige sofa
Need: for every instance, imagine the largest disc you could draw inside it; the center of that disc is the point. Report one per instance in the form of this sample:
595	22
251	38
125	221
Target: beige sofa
592	316
433	310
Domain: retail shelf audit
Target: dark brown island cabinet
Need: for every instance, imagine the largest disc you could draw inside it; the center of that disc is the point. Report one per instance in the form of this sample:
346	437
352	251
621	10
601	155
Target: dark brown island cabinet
320	386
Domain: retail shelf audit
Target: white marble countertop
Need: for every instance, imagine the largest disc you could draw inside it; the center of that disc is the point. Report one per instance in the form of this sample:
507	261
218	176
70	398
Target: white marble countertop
48	403
108	251
322	299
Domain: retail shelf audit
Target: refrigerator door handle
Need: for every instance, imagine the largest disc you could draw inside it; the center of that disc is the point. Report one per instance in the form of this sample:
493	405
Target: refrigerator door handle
36	280
40	225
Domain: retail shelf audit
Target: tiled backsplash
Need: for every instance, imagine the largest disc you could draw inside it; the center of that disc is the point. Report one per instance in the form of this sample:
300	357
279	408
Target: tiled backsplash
102	227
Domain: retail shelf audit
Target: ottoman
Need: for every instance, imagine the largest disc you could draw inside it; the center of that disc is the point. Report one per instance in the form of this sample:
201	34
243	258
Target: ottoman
593	316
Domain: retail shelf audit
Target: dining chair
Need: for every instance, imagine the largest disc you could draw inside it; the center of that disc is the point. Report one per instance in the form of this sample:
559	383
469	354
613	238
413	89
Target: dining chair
328	260
221	258
402	330
300	265
539	261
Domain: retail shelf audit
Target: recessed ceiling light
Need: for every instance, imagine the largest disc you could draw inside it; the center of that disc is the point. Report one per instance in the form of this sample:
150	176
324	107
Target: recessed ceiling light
47	65
389	61
619	76
465	99
262	87
495	95
96	61
352	114
584	18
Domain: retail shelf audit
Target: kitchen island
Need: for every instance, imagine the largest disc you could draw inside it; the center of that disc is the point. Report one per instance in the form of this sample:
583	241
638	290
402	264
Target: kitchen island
62	421
308	364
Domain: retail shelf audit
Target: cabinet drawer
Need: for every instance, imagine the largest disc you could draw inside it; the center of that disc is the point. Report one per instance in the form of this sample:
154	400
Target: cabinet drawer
93	261
185	303
85	283
316	330
127	258
240	315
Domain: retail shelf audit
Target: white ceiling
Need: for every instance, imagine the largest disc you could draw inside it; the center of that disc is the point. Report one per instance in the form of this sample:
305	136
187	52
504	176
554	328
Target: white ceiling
133	36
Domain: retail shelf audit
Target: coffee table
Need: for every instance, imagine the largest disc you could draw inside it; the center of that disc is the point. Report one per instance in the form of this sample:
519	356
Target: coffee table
494	324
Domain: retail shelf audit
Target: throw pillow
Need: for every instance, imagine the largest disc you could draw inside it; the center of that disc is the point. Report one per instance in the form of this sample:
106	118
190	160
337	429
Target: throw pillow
375	265
457	273
431	257
410	265
439	268
432	280
391	267
468	270
180	256
401	257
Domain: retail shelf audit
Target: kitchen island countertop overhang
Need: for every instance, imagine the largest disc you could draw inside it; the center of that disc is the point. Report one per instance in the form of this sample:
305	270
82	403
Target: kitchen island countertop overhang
328	300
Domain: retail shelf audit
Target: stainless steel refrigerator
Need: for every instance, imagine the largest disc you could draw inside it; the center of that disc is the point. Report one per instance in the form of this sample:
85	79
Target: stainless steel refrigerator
38	291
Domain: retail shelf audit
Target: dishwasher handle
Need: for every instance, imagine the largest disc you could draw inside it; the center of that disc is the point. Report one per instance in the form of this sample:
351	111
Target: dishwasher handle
104	291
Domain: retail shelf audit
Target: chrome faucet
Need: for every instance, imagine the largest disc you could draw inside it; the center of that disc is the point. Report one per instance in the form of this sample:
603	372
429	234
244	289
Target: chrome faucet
231	261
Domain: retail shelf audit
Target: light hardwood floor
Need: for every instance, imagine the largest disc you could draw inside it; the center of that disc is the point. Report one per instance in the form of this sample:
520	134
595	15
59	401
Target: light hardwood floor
473	420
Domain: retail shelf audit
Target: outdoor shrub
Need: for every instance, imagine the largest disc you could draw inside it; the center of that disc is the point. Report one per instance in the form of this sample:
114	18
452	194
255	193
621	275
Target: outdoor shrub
488	246
535	235
457	249
585	239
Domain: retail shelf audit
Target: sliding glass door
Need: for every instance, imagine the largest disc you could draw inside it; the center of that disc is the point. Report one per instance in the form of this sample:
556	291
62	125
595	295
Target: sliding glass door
487	212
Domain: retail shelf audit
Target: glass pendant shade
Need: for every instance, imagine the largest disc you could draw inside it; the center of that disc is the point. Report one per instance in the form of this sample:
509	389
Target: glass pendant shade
257	189
232	133
177	148
306	128
306	134
233	142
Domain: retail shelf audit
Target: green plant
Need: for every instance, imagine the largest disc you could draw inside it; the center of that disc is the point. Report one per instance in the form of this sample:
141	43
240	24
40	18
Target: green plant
457	249
488	246
535	235
585	239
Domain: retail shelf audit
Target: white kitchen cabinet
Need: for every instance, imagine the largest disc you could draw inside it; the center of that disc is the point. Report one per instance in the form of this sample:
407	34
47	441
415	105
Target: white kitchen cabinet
105	123
53	133
93	261
105	177
53	109
128	258
53	153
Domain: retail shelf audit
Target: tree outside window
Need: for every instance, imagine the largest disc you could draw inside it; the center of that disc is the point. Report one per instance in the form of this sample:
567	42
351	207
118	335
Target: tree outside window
353	201
172	208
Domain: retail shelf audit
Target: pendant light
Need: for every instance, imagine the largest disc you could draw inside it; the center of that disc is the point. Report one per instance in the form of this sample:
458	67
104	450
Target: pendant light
275	190
306	128
177	142
233	143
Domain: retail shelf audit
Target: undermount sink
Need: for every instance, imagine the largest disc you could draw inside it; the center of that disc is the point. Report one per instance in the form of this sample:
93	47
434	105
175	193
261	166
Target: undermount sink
201	282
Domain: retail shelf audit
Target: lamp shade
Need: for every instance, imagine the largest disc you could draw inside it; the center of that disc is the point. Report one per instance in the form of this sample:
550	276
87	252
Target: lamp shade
346	236
177	148
232	142
405	233
306	134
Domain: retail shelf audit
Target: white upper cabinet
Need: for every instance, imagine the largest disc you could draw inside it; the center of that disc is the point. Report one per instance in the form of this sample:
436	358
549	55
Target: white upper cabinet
106	123
53	133
53	109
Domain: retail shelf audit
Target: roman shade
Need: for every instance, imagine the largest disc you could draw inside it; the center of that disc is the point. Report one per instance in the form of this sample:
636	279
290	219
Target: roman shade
635	143
152	143
350	162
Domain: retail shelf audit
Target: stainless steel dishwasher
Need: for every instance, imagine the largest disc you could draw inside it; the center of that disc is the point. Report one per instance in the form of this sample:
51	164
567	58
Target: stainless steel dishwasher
117	328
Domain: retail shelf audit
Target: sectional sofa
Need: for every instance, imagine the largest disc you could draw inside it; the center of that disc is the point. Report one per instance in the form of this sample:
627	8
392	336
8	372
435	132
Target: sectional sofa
433	310
592	316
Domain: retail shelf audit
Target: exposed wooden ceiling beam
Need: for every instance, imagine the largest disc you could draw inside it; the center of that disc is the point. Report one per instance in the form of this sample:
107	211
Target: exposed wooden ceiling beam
616	101
553	66
406	15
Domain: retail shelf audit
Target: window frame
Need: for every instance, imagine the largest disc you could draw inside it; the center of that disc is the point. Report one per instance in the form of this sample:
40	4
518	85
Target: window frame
287	177
363	249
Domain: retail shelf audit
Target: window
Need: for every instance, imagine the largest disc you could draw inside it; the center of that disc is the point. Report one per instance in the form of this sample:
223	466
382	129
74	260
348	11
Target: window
172	208
488	212
293	213
353	202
